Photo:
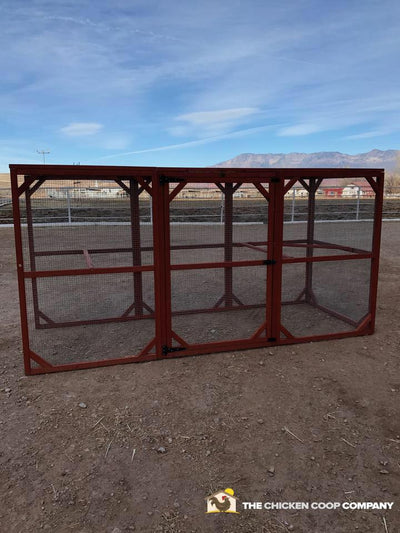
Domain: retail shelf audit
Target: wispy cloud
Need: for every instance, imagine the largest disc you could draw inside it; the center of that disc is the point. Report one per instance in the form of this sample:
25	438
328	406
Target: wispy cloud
368	134
299	129
212	117
100	26
208	140
81	129
212	123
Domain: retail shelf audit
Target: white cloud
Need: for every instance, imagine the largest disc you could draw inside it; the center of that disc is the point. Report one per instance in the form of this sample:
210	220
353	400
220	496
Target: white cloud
81	129
211	123
367	135
299	129
204	118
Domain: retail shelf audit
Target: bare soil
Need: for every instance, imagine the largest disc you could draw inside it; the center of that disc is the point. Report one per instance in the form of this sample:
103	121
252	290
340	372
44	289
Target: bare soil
194	210
155	439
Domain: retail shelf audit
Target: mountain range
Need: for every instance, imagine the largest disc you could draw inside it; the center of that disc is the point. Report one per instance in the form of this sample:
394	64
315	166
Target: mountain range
387	159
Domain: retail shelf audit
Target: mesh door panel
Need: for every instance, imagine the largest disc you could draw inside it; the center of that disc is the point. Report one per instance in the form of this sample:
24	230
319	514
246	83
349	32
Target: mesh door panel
208	226
198	312
197	216
196	228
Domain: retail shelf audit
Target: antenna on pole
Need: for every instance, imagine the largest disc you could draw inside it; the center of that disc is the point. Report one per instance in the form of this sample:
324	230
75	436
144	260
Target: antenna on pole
43	153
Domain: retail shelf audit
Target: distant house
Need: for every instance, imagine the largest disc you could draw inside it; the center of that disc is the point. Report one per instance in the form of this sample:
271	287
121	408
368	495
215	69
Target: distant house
113	192
333	192
358	188
299	192
85	192
352	190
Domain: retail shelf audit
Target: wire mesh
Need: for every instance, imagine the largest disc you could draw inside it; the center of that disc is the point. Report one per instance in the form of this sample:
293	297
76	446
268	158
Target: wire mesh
342	217
295	206
88	318
336	299
87	298
101	234
222	239
213	223
200	315
79	318
197	223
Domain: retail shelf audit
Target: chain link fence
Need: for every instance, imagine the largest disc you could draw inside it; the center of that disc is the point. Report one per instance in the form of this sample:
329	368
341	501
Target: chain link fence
72	205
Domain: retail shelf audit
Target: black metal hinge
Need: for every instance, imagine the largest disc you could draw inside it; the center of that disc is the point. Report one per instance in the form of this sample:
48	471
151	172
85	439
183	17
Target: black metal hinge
269	262
275	180
167	179
271	339
166	350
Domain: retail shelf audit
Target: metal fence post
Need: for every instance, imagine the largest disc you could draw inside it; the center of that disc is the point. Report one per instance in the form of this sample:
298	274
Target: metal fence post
151	208
293	202
358	203
69	207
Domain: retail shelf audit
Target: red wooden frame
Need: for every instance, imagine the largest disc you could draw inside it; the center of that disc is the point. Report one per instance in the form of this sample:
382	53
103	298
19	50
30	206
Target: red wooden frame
163	185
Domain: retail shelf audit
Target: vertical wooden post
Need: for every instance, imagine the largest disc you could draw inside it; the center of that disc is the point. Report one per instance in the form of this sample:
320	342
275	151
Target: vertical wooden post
136	246
376	243
275	252
228	244
308	293
20	272
162	262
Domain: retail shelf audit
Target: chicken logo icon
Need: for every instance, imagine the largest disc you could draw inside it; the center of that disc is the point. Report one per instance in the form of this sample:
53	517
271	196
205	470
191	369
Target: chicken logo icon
222	501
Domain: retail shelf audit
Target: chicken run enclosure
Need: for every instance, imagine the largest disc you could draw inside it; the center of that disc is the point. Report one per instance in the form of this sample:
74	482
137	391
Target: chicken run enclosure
129	264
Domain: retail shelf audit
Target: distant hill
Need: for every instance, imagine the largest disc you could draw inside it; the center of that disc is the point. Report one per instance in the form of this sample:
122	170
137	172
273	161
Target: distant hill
387	159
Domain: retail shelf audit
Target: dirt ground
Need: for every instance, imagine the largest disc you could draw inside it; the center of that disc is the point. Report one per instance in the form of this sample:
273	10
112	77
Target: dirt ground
151	441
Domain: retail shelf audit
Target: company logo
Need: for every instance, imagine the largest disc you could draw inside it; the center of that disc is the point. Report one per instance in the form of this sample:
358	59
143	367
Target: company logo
222	501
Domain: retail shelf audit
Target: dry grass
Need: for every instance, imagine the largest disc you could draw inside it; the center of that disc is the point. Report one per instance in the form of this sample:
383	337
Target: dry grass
4	180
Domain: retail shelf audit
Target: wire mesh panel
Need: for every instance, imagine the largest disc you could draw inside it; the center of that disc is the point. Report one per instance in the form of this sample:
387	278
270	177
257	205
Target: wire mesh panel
341	217
337	299
124	264
196	223
338	219
78	226
89	318
87	249
214	224
197	315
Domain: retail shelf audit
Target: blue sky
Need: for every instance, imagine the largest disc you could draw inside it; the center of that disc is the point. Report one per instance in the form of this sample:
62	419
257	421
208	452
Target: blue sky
196	82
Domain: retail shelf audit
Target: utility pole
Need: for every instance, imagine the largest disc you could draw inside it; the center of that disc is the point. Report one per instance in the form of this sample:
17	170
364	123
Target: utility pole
43	153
